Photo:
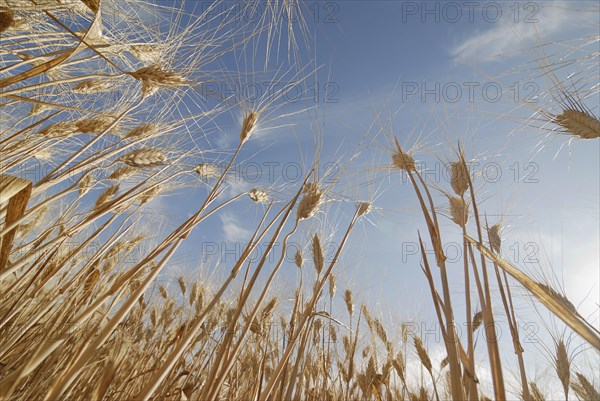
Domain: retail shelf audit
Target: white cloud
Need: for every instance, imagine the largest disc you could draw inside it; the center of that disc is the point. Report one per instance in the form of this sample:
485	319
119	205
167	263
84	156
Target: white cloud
506	36
232	230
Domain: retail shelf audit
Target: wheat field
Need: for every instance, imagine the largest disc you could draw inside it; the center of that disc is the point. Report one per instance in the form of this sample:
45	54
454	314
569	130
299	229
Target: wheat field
114	172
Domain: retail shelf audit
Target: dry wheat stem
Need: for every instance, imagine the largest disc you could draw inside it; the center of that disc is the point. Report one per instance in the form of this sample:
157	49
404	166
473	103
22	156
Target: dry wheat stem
433	228
180	347
494	241
217	378
308	312
556	306
488	315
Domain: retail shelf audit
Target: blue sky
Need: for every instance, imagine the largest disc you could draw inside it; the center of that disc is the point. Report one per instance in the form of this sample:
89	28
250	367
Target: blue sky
543	188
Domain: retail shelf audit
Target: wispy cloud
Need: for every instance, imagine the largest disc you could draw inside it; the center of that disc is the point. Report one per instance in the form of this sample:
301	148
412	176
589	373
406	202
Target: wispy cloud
507	37
232	230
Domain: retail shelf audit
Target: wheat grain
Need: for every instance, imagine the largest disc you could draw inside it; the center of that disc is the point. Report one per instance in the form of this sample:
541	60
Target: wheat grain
146	53
333	333
59	130
380	331
536	394
85	184
310	202
182	285
459	210
332	286
317	253
107	195
563	366
150	194
579	123
144	158
92	279
93	5
259	196
403	161
559	297
122	173
38	108
363	208
422	354
44	155
248	125
477	320
93	125
349	301
584	389
163	292
459	178
154	77
207	170
7	18
93	86
146	130
298	258
494	237
268	310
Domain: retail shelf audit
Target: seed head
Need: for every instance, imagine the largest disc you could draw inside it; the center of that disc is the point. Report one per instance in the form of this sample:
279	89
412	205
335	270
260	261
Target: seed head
584	389
85	184
43	154
146	53
259	196
93	125
59	130
38	108
459	178
122	173
6	20
348	299
93	5
107	195
248	126
579	123
536	393
422	353
92	86
154	77
182	285
142	131
363	208
563	365
298	258
403	161
207	170
310	202
144	158
494	237
477	320
149	194
317	253
91	280
559	297
332	286
459	210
